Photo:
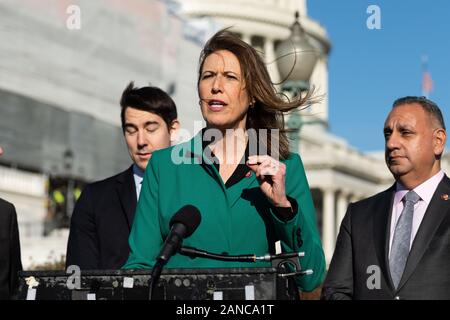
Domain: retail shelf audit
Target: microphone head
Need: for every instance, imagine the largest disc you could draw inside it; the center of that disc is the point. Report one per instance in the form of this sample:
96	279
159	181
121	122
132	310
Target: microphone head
189	216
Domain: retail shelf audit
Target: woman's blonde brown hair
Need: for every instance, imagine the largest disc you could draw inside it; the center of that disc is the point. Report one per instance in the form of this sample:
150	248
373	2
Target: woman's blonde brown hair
269	107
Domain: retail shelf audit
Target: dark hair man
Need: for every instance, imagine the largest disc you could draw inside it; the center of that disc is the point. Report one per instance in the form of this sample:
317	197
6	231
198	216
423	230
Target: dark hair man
104	213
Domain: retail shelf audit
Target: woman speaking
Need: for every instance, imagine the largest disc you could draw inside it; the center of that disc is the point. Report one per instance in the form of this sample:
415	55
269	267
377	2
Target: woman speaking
250	191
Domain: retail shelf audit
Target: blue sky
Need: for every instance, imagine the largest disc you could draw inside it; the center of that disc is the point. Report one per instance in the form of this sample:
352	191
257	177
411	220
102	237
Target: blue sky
369	69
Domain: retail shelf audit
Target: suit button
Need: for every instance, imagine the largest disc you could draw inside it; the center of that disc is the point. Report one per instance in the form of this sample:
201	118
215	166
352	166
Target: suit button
397	298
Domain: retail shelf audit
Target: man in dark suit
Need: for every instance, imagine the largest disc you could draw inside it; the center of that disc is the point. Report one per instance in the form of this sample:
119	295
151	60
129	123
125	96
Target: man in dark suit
103	215
10	262
396	244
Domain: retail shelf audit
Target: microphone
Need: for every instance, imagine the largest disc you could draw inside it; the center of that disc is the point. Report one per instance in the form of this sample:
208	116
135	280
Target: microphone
183	223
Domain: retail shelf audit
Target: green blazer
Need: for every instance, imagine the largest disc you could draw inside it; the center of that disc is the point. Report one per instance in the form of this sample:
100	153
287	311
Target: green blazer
237	220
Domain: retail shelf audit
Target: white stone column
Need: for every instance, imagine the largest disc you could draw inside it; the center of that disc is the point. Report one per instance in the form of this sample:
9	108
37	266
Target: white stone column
319	79
342	204
270	57
328	224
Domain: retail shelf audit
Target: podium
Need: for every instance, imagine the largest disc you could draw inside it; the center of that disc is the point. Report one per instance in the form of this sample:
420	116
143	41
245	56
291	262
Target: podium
174	284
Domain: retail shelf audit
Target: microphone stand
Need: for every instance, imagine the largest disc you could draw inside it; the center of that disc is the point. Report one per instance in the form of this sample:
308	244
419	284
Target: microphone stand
183	223
281	260
196	253
154	277
163	258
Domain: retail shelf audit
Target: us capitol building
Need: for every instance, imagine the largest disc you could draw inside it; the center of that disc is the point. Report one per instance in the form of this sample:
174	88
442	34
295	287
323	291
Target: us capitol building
60	91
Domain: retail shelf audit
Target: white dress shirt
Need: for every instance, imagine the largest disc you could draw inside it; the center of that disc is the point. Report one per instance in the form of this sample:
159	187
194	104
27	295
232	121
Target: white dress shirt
425	192
138	174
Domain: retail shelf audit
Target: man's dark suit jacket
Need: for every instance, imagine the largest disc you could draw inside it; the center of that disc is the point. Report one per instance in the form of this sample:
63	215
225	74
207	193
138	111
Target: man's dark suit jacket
101	223
363	241
10	262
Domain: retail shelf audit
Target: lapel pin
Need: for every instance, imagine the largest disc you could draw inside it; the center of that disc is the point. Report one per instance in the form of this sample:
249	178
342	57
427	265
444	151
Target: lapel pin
248	174
444	197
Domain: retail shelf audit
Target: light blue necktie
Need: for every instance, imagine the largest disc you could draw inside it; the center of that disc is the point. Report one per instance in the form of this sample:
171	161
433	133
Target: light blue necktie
402	238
